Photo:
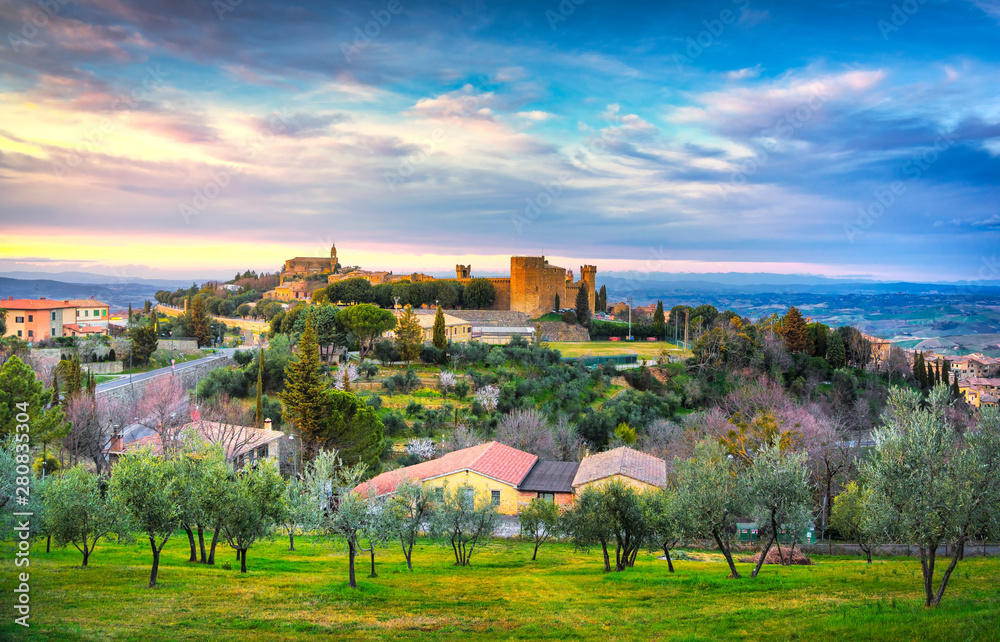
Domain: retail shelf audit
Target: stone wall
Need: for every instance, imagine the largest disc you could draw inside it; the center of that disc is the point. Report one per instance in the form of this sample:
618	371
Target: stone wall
105	367
189	377
491	318
181	345
534	285
559	331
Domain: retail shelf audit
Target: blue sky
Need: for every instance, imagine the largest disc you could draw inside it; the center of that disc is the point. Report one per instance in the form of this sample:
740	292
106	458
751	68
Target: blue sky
177	138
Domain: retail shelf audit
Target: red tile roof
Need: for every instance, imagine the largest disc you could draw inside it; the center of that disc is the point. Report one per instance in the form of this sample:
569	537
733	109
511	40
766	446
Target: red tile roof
622	461
34	304
85	329
88	303
492	459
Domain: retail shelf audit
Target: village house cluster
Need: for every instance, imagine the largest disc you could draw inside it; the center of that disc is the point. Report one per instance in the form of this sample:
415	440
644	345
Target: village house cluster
41	319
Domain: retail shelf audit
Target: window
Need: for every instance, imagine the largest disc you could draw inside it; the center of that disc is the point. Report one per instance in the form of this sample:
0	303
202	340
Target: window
104	313
495	497
468	494
53	316
549	497
31	333
18	319
86	313
18	333
31	318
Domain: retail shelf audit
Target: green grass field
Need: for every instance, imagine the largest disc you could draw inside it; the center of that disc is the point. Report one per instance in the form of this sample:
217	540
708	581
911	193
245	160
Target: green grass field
503	595
646	349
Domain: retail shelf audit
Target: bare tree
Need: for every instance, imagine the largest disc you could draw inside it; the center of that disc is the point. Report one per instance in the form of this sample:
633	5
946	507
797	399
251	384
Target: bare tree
463	437
226	423
162	406
527	430
567	442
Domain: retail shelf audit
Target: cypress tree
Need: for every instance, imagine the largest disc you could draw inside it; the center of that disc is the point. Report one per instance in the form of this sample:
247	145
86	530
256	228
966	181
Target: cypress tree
582	306
659	321
55	387
198	323
129	320
305	385
260	387
836	356
557	303
918	370
439	340
945	372
794	330
956	392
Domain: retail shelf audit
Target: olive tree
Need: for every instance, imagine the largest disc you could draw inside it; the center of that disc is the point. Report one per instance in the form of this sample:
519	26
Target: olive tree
144	487
302	510
255	507
848	517
713	497
465	518
609	515
930	484
779	494
540	520
79	510
412	505
586	524
662	510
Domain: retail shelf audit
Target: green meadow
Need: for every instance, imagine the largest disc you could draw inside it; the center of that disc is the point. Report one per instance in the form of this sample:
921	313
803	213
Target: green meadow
504	595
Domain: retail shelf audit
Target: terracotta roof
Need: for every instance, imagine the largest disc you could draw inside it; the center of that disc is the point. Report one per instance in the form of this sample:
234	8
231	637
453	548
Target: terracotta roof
88	303
981	381
622	461
492	459
213	432
550	477
87	329
34	304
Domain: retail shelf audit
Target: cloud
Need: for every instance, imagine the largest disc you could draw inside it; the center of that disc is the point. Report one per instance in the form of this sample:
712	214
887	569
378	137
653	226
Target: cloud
746	72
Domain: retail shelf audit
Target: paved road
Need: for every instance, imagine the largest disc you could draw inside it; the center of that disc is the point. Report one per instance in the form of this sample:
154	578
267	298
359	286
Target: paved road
124	380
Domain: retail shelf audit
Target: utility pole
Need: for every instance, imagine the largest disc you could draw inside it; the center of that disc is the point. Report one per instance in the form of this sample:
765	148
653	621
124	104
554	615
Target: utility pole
629	300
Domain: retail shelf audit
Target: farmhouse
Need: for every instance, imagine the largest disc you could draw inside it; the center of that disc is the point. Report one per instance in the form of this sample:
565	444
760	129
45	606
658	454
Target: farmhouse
639	470
512	478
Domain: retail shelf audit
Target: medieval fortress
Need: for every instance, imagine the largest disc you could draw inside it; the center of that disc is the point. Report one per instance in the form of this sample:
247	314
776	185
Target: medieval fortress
531	288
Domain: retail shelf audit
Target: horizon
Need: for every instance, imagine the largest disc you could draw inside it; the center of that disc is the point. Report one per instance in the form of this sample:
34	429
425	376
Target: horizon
838	142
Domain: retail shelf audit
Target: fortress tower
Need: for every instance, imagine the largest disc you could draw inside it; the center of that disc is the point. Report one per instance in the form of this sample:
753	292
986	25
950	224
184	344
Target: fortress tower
463	271
588	279
333	257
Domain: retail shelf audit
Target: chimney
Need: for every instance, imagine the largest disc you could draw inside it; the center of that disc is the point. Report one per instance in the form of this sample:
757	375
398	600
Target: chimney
267	424
116	444
41	298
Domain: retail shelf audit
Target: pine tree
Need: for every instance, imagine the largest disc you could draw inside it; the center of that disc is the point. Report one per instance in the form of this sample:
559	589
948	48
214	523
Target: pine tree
305	385
439	340
409	335
659	320
260	387
836	356
198	323
582	306
794	330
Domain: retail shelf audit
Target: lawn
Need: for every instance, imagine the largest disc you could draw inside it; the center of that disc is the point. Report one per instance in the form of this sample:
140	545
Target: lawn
646	349
503	595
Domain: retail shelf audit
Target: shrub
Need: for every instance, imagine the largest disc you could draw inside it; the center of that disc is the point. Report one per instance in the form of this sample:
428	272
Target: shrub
431	355
394	423
569	317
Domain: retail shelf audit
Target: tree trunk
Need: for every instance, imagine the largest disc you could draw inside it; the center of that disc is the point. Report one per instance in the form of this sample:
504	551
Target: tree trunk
351	552
947	574
670	562
291	539
607	558
215	540
242	554
156	562
407	552
48	543
535	554
927	566
734	575
763	554
86	553
201	543
194	548
867	551
372	551
791	554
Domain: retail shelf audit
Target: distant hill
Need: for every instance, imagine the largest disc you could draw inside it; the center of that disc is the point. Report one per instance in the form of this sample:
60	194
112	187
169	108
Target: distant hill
99	279
114	294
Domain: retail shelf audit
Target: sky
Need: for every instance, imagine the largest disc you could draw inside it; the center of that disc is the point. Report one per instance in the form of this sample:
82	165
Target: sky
190	138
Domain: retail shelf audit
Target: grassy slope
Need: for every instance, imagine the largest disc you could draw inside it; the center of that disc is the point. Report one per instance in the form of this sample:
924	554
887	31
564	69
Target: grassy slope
564	595
648	349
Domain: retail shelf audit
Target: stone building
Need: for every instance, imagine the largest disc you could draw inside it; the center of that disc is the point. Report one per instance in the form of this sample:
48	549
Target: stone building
303	266
531	288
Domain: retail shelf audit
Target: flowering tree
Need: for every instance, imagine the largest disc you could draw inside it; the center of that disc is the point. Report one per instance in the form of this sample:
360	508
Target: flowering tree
527	430
421	447
163	408
346	375
488	397
447	381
